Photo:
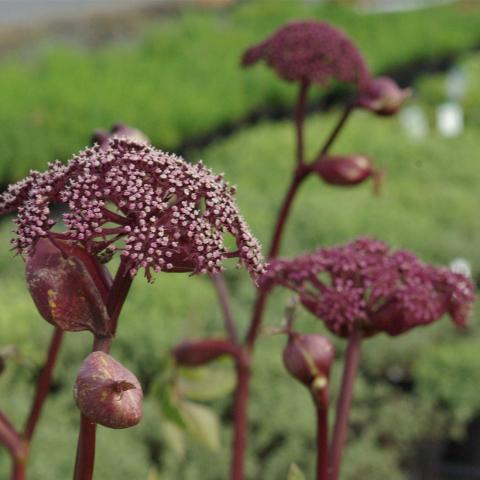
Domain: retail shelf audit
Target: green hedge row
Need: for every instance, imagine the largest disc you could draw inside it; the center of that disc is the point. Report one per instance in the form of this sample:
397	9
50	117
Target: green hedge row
181	79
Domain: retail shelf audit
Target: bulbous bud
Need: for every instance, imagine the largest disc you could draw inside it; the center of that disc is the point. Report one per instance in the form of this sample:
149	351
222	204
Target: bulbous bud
107	393
194	353
69	287
383	96
347	171
124	131
308	358
119	130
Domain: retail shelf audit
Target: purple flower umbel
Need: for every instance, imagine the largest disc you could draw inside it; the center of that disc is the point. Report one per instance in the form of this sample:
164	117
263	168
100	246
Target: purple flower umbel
364	285
312	52
161	212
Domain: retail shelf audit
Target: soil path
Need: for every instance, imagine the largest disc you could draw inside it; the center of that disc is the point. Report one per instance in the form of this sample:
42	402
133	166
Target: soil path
25	13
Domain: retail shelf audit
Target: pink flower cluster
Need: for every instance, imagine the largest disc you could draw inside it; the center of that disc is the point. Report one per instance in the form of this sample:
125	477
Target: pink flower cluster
161	212
365	285
311	51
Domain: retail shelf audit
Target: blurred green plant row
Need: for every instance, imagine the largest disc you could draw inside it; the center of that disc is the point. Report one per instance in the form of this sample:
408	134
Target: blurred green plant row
427	205
182	79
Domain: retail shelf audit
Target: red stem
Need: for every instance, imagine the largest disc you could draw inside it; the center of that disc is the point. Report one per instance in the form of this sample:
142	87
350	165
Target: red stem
243	378
284	213
11	438
340	124
344	403
240	422
85	460
322	442
43	384
19	469
225	305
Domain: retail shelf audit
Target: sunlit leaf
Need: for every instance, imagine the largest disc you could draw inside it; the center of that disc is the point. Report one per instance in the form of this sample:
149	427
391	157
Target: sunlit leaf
202	424
294	473
174	437
206	383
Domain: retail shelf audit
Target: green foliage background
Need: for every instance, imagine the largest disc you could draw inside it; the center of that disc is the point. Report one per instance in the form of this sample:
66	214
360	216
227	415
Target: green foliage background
181	80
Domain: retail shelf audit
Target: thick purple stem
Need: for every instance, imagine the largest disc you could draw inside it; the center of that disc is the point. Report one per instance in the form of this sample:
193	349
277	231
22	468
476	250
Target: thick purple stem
19	469
43	384
240	422
344	403
225	305
85	460
322	442
340	124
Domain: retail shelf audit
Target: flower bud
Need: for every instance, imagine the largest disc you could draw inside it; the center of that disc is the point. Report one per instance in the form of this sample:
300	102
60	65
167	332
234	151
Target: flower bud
124	131
308	358
194	353
347	171
101	137
383	96
69	287
119	130
107	393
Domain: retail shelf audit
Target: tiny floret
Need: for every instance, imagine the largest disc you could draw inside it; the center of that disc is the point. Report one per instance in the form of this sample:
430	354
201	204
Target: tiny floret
312	52
160	212
367	286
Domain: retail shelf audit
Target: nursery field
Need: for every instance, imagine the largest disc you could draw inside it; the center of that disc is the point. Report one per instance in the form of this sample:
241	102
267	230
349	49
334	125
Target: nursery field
52	100
412	393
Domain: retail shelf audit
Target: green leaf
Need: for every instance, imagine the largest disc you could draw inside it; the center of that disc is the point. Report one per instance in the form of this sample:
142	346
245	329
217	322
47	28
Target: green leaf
294	473
202	424
174	437
206	383
170	405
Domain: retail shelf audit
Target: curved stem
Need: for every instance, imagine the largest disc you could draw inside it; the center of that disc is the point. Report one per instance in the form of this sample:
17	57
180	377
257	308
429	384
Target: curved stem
225	305
85	459
344	403
256	321
240	422
284	213
9	436
118	294
338	127
322	442
43	384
